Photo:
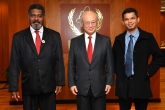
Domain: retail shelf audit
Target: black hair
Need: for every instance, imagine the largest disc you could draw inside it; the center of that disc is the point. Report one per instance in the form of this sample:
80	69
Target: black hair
36	6
129	10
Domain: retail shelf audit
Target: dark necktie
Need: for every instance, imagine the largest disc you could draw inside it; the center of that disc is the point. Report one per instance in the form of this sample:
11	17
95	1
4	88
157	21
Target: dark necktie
90	50
38	42
129	58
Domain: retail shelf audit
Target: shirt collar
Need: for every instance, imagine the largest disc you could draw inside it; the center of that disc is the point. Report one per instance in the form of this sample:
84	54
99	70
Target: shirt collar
40	30
93	35
135	34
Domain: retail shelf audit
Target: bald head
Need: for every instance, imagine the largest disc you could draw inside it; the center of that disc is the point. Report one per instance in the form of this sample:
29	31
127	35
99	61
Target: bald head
88	14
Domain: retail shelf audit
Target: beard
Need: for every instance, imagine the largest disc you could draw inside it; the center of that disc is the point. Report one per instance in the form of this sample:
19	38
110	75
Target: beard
34	26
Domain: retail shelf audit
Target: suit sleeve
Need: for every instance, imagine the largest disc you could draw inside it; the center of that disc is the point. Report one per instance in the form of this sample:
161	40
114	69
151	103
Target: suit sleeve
14	68
60	81
71	65
109	64
157	57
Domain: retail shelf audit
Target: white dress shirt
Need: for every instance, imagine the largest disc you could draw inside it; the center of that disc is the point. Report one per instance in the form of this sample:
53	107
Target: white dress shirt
92	40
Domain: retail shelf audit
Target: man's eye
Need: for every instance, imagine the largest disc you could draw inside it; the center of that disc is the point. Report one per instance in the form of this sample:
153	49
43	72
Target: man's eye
38	16
32	15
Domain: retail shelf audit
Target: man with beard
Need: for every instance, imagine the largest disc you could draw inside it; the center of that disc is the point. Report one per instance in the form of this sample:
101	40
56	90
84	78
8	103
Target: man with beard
132	50
37	53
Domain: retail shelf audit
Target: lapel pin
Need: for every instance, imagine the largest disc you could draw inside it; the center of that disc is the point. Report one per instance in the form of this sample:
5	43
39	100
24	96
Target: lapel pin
43	41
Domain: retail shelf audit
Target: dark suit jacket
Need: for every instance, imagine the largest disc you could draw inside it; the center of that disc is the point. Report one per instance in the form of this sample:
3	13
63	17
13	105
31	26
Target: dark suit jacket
98	74
145	46
40	73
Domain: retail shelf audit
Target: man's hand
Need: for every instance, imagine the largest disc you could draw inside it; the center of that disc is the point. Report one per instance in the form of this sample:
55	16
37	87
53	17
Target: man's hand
15	95
107	89
74	90
58	89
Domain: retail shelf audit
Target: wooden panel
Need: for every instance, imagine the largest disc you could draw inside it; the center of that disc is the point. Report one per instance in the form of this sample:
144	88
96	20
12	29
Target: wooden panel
4	42
149	13
162	26
1	38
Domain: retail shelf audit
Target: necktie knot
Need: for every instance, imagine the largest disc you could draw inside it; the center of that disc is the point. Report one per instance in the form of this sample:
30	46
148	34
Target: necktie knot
36	31
89	37
131	36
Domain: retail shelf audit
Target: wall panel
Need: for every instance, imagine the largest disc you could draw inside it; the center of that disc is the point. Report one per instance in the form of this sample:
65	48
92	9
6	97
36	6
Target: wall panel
162	26
4	40
1	37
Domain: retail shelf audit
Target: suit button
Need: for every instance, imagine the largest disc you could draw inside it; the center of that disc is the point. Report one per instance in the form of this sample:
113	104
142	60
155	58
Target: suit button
38	59
89	69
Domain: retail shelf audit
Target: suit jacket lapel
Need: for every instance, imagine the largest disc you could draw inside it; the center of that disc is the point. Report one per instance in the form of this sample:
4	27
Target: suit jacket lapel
44	39
97	47
29	39
82	46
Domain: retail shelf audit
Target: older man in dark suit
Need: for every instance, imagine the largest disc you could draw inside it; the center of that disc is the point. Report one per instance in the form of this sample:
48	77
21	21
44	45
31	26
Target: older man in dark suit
37	52
90	66
132	50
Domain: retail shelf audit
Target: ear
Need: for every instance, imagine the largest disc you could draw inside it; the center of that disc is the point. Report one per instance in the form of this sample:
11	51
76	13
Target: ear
138	19
81	24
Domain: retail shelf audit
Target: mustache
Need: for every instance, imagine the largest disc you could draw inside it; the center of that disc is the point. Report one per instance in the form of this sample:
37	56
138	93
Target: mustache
36	21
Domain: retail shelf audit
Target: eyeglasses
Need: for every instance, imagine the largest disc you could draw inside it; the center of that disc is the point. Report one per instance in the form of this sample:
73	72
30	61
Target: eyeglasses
93	23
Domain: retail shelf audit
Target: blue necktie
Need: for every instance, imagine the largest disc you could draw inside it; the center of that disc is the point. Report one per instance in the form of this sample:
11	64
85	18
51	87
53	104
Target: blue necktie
129	58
